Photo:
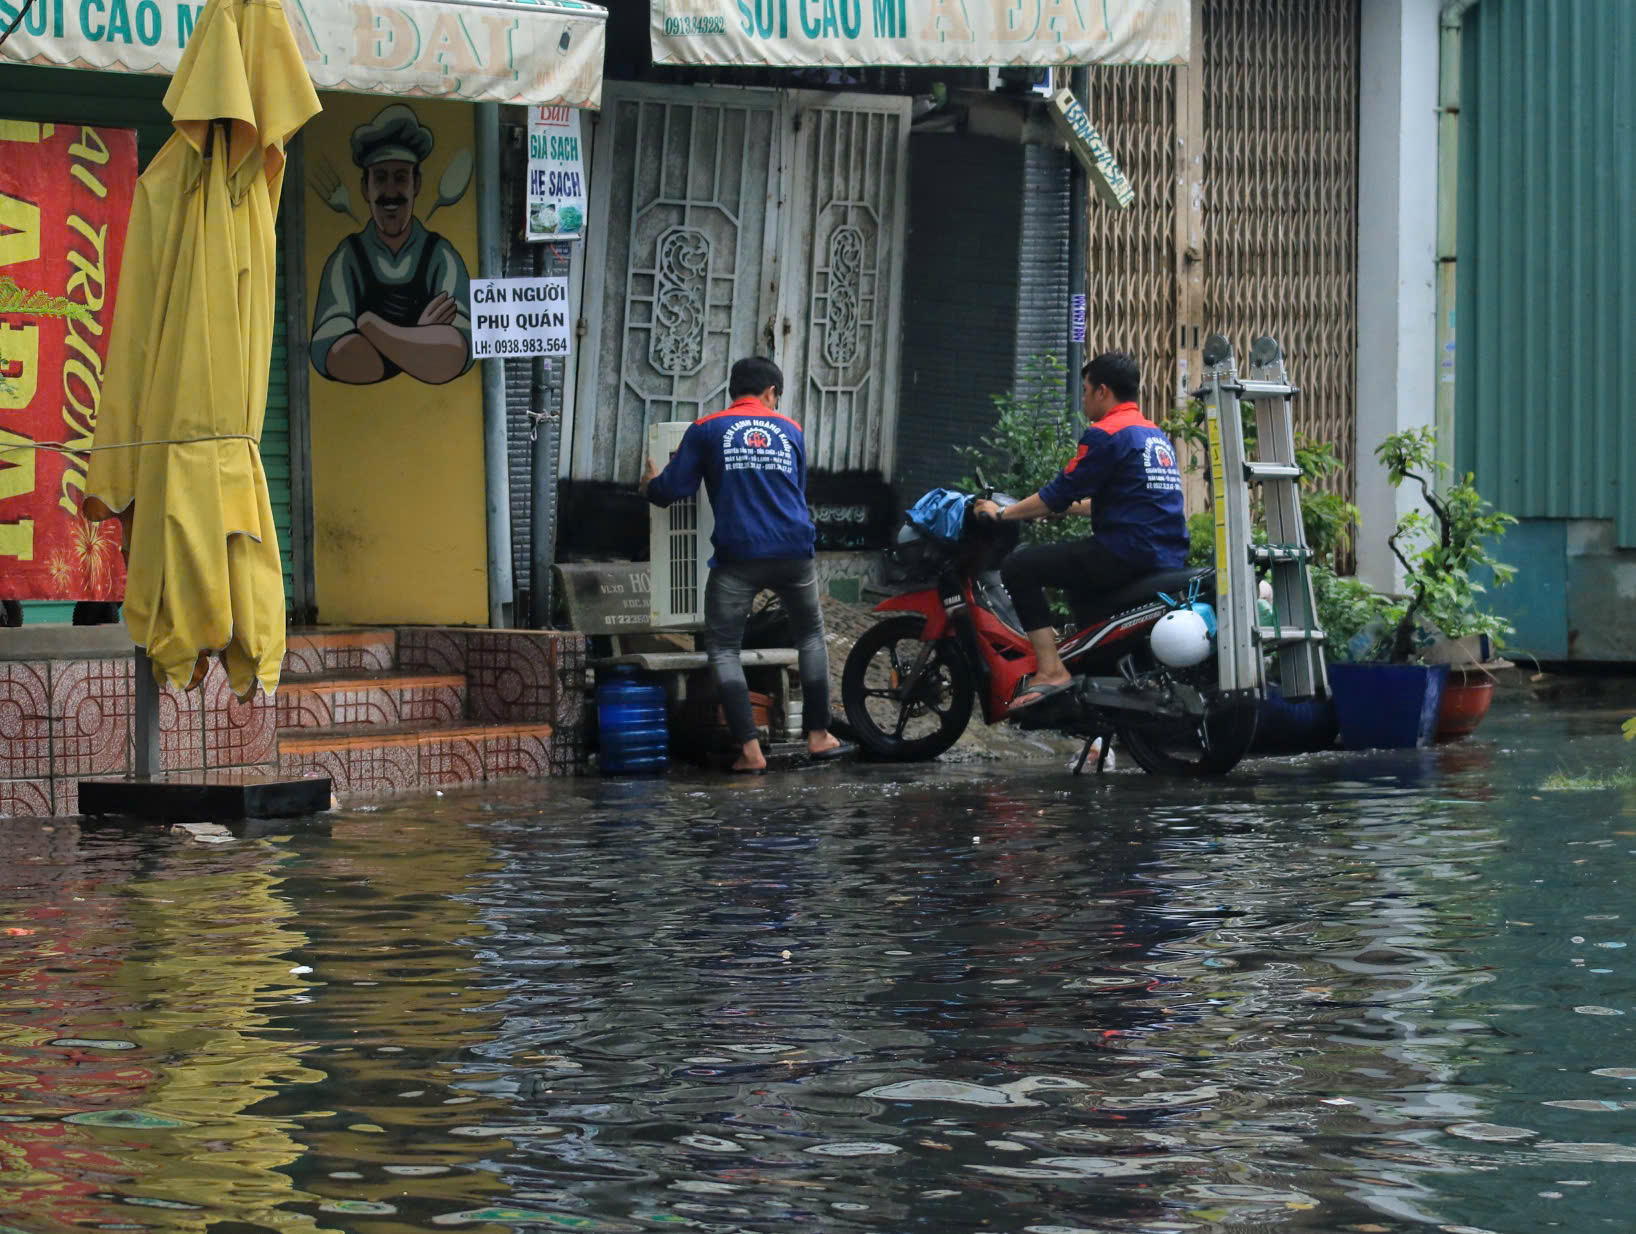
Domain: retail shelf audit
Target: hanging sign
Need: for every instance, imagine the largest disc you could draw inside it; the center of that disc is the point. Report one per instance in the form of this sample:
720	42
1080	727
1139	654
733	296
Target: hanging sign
556	175
1091	150
1076	318
513	318
499	51
864	33
65	200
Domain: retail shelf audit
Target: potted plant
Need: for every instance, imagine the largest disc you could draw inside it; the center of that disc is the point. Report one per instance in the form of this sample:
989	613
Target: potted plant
1398	697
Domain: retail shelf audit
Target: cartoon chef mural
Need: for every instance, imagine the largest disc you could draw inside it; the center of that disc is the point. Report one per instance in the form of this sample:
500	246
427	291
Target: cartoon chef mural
393	296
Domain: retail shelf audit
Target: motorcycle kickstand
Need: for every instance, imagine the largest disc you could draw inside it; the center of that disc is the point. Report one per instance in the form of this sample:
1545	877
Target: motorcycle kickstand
1102	755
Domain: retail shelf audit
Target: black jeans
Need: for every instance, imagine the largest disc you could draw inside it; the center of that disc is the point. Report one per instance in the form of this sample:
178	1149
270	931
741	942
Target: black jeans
732	589
1079	567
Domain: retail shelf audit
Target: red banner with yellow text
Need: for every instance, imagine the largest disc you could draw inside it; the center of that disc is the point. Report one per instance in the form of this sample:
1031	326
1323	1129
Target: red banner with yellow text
65	200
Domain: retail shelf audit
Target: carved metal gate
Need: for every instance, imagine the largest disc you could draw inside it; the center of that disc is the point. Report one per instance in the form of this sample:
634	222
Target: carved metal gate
738	222
685	211
844	251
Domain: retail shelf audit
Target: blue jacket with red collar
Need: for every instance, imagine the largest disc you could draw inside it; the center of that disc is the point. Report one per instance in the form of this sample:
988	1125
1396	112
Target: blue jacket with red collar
1127	467
753	462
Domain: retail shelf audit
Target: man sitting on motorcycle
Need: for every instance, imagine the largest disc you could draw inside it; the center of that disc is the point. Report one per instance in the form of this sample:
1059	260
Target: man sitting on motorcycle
1125	478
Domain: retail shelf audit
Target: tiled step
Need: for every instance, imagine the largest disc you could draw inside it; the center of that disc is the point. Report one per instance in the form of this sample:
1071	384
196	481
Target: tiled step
311	652
370	700
411	758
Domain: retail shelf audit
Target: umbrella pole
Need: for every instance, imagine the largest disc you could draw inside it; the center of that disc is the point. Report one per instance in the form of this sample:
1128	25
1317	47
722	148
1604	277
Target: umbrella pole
145	758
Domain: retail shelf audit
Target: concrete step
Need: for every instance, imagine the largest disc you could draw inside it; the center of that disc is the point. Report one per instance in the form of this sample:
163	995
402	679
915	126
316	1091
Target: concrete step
415	757
340	650
370	700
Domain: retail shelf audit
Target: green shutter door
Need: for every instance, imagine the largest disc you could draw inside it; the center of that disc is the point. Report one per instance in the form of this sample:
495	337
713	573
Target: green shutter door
133	100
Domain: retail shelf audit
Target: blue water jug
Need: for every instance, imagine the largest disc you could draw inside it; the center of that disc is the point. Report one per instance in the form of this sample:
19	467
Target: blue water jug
632	732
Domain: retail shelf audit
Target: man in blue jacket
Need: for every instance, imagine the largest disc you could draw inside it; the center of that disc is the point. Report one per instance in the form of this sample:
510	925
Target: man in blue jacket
1125	477
753	462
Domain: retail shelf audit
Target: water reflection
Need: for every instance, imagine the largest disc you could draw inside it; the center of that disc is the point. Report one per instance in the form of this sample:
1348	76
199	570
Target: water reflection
1380	993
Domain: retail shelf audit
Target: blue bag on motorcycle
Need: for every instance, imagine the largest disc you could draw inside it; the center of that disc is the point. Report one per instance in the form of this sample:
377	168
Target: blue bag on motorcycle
942	512
926	541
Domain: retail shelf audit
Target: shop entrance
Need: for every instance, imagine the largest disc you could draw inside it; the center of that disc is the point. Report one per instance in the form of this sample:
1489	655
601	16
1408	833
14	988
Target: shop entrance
739	222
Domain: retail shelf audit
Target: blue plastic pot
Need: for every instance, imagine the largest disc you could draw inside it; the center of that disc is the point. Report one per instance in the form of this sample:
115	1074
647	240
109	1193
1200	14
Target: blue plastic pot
1387	706
1284	727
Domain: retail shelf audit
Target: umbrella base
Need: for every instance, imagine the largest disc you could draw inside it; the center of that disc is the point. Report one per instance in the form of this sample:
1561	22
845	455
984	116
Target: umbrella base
203	798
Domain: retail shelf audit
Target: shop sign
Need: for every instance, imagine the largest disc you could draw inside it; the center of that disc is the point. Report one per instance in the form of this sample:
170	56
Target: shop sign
65	200
556	175
502	51
513	318
863	33
1092	152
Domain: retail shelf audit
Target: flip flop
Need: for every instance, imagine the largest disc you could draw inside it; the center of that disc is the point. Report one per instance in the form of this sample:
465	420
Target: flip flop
1040	692
843	750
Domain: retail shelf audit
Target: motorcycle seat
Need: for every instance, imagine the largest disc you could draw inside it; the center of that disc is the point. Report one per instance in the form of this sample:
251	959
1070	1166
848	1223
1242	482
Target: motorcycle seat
1093	608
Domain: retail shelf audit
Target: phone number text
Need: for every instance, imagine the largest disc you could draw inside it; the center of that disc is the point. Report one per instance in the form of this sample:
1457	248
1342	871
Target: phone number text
484	348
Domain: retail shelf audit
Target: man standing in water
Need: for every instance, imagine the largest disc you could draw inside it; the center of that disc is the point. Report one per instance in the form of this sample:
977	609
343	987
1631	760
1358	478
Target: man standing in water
753	463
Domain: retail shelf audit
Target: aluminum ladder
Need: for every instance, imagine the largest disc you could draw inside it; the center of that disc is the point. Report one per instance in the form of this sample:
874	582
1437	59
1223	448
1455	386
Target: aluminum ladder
1242	639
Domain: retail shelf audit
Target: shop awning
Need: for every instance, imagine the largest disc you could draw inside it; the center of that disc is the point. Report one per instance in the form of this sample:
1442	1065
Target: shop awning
493	51
909	33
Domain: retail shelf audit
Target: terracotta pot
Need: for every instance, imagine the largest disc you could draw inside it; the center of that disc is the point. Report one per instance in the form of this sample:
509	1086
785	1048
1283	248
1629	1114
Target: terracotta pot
1466	700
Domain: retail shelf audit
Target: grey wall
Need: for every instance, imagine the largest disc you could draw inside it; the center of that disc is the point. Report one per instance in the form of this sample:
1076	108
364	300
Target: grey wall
960	301
986	287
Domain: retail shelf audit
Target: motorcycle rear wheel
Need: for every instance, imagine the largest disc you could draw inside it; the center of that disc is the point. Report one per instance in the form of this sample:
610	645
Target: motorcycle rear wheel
1209	746
899	720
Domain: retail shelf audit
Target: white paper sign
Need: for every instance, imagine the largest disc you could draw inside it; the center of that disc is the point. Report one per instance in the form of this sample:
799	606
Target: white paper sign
519	317
556	175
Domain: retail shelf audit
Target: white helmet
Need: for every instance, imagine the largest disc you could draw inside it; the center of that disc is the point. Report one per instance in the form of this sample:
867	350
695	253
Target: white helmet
1181	638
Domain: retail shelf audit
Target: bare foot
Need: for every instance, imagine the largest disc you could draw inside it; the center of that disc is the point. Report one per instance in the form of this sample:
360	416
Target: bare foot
750	757
822	740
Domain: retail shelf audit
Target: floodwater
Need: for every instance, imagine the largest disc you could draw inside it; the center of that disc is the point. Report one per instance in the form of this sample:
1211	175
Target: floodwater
1391	992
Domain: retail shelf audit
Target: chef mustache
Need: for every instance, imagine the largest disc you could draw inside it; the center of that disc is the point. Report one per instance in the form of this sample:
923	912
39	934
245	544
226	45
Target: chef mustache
399	200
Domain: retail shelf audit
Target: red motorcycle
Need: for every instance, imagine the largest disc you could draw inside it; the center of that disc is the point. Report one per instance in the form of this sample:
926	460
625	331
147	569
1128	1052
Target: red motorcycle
911	682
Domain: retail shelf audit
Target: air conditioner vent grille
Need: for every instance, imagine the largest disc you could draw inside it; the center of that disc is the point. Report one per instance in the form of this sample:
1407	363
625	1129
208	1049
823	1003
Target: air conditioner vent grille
678	545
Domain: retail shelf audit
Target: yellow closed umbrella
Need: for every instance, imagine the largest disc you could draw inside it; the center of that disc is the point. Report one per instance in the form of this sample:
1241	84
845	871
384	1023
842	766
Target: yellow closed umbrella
188	358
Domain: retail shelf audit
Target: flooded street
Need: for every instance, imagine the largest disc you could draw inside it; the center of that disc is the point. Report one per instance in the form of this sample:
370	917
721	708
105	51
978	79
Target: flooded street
1383	992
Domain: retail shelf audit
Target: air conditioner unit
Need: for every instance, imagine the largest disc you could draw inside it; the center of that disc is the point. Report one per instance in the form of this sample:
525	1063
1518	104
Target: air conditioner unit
678	545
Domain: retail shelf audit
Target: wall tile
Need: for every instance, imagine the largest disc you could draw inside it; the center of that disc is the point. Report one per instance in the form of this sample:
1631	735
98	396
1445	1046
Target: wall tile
432	650
237	734
25	719
517	753
181	729
25	798
452	758
91	705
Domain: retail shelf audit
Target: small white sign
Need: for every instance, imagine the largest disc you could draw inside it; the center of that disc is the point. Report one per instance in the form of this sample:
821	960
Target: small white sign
519	317
556	175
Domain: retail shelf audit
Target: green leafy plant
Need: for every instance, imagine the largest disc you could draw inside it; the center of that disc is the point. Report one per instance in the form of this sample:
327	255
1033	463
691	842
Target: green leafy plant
1439	549
1035	432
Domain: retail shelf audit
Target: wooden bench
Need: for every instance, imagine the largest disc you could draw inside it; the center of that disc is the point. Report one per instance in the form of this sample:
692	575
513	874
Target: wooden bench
609	599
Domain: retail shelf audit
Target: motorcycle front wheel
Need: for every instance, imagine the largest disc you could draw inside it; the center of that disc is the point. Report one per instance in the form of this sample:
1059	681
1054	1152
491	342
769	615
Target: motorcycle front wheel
1211	745
896	714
